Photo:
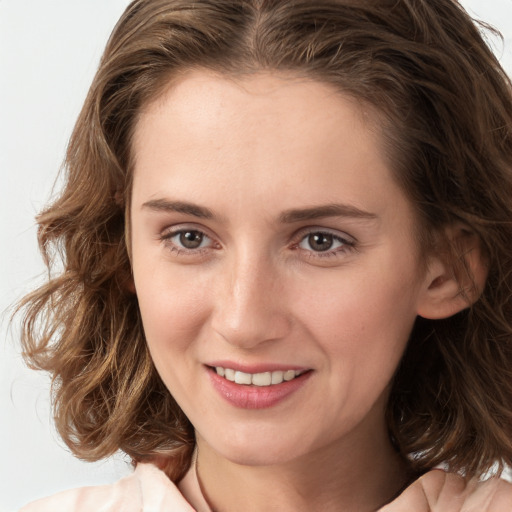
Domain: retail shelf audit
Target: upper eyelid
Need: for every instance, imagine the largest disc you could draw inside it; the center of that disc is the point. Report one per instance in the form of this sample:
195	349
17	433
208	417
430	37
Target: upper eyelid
166	236
170	231
342	235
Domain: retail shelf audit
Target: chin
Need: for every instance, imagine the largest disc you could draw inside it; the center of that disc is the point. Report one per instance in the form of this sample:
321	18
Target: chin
257	448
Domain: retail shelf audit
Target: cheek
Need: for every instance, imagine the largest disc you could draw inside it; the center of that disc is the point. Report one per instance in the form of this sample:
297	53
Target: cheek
173	308
363	314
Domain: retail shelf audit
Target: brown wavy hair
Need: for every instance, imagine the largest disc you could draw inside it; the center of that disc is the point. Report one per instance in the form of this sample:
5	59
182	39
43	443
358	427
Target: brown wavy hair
445	109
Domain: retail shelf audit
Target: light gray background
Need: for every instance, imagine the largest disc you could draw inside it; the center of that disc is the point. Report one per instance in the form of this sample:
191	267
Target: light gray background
49	50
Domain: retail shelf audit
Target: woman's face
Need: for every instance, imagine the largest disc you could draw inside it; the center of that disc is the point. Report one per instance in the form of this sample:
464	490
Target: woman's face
269	240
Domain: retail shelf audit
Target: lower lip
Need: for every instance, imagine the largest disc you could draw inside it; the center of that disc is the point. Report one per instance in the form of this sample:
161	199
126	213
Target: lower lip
256	397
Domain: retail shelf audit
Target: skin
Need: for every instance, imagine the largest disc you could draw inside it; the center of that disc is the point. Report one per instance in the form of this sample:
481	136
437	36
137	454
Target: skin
252	153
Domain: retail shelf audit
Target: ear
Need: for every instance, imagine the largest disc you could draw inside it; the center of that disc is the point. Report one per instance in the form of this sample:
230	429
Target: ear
130	285
455	277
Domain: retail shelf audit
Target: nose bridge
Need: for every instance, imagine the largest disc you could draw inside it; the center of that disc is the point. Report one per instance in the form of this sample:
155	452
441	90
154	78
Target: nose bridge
250	309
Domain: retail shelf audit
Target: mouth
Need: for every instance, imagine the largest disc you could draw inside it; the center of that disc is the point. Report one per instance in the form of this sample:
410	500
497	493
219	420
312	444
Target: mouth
258	389
263	379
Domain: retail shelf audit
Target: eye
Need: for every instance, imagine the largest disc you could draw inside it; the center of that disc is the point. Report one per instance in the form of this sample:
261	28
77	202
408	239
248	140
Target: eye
319	242
187	240
190	239
325	242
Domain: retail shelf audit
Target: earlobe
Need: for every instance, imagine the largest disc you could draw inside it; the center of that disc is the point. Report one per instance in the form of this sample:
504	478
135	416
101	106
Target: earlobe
130	285
455	278
127	284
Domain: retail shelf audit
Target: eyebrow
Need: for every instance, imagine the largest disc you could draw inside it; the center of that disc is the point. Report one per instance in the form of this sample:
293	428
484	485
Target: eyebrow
165	205
320	212
286	217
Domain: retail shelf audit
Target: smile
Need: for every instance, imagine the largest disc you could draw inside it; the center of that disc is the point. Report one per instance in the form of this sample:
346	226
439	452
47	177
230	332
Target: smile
258	379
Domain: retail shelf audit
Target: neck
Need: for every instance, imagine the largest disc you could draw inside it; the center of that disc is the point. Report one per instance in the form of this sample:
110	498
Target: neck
348	475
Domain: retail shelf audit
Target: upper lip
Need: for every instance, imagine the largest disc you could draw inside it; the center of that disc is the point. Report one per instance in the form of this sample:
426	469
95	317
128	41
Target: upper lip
257	368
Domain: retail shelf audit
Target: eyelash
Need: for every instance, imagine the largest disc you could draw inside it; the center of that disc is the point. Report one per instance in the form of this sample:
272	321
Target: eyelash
346	244
167	236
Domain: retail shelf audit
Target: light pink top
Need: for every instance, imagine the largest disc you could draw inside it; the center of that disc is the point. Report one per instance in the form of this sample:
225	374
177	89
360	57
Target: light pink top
148	489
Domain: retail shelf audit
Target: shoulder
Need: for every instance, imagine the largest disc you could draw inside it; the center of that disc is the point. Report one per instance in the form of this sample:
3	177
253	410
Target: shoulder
439	491
147	488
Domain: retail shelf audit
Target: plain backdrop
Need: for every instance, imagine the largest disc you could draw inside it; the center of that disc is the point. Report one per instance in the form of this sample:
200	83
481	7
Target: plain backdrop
49	50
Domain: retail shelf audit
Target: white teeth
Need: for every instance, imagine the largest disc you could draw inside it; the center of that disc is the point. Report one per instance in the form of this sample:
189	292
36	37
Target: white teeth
289	375
262	379
257	379
277	377
229	374
243	378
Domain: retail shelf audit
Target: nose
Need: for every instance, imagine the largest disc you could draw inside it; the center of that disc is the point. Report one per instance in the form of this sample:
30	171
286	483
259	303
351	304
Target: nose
250	306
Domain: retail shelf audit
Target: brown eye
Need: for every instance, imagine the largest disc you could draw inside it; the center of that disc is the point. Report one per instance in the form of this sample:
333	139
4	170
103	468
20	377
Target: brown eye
320	241
188	242
191	239
324	241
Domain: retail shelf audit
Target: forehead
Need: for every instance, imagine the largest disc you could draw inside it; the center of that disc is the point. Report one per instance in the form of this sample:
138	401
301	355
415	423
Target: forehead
258	136
254	91
203	96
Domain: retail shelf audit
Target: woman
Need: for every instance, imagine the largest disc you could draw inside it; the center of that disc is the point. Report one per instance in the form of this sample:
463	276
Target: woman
285	233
